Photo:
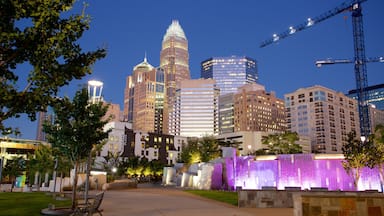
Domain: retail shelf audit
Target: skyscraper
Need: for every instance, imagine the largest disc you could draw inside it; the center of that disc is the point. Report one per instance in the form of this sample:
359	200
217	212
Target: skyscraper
144	97
230	72
174	59
195	111
326	116
375	95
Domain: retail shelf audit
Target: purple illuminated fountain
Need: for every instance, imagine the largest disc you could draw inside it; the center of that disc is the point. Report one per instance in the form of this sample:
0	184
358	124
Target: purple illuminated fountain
304	171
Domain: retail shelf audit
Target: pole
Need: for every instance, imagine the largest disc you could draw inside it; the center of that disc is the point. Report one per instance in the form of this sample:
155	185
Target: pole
88	170
54	175
1	168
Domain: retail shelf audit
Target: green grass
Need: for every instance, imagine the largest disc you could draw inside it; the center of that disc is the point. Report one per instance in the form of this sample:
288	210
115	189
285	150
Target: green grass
222	196
18	203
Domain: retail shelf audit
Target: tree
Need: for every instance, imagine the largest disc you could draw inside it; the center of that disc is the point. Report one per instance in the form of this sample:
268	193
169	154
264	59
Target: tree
377	155
281	143
39	53
190	153
77	127
14	168
356	156
209	148
42	161
203	149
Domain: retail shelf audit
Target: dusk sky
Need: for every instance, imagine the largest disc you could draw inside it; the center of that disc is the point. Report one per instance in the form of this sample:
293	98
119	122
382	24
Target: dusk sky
129	29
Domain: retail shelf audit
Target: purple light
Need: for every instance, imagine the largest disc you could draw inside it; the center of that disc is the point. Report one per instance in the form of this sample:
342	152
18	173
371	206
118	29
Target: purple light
301	170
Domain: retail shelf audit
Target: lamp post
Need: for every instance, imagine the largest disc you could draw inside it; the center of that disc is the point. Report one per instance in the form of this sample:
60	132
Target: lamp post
95	89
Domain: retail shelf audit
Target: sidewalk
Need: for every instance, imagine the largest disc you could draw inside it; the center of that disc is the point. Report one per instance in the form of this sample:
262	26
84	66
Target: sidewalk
158	201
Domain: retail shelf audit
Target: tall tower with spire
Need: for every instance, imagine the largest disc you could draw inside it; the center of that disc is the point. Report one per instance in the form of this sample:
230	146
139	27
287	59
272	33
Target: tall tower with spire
174	59
144	98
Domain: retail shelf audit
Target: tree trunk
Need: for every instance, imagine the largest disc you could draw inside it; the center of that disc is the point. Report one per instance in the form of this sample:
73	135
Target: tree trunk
356	178
12	184
381	176
74	185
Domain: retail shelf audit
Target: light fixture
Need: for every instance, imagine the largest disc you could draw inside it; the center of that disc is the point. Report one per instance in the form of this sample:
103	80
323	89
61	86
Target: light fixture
292	30
310	22
275	37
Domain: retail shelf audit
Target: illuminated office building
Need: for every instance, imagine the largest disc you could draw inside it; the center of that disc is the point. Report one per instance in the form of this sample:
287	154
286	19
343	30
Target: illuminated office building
195	111
324	115
174	59
375	95
375	99
144	98
258	110
230	72
226	110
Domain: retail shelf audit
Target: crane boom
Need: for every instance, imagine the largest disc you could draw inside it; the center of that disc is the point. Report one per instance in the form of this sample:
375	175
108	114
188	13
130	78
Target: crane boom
320	63
311	21
360	68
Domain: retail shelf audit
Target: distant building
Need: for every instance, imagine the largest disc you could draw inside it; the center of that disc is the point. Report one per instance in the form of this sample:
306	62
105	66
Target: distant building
115	143
144	98
13	147
375	95
153	146
326	116
113	114
195	110
230	72
377	117
174	60
258	110
226	113
43	117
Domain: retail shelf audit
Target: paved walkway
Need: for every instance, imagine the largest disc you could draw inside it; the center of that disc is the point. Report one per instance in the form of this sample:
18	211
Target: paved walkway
159	201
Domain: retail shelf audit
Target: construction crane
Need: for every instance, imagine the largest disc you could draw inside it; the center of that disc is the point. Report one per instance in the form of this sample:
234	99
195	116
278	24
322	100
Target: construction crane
359	60
320	63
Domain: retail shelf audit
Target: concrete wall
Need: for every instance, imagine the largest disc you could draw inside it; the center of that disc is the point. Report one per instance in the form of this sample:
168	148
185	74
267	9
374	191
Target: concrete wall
343	203
315	202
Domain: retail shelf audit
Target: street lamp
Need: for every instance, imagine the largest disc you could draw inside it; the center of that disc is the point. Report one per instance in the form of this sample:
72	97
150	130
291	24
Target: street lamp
95	89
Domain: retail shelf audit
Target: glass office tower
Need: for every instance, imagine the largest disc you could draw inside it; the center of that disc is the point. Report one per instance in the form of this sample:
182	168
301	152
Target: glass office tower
195	111
375	95
230	73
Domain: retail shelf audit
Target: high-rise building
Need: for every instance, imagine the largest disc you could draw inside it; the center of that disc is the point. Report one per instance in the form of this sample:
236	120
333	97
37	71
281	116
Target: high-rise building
43	117
195	111
230	72
324	115
226	113
258	110
174	59
144	98
375	95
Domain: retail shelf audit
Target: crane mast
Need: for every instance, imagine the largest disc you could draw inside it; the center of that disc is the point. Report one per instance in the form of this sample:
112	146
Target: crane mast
361	78
360	67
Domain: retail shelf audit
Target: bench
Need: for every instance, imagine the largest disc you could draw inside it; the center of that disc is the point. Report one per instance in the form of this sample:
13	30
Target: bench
91	207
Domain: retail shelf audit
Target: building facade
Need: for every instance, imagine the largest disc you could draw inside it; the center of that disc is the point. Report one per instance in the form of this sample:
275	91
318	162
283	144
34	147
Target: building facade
324	115
230	72
226	113
195	111
144	98
153	146
377	117
258	110
114	146
375	95
174	59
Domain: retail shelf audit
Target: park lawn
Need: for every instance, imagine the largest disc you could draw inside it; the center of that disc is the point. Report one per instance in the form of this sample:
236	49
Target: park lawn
19	203
222	196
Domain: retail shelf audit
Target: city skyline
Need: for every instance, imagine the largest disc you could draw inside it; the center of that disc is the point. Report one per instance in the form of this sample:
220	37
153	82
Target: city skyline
134	29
